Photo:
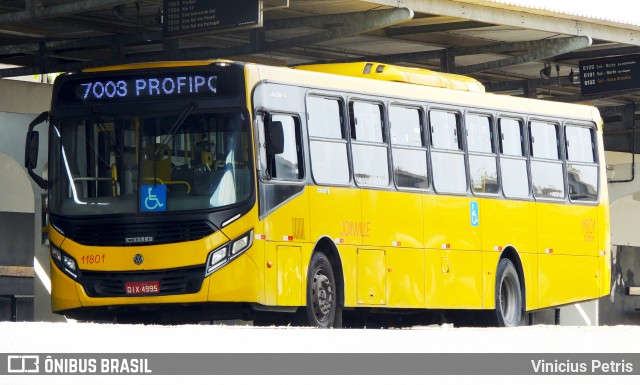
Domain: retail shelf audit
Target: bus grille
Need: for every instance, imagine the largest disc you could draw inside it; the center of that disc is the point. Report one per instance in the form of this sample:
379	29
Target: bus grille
112	284
141	234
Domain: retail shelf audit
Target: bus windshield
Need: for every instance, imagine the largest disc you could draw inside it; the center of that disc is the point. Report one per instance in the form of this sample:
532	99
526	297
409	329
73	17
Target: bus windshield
181	161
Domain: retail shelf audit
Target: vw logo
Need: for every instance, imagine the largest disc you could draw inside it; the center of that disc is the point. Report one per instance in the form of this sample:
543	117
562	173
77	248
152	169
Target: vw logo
138	259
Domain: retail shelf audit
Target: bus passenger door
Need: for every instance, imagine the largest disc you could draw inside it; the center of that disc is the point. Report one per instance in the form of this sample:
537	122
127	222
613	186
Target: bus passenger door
284	205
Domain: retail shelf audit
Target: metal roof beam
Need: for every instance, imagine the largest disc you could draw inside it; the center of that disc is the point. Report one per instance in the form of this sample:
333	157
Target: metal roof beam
444	27
35	10
495	13
521	46
354	23
350	24
335	19
91	42
536	50
594	53
401	57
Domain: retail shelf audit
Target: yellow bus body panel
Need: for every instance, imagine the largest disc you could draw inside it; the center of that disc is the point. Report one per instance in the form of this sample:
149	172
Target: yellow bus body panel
236	282
567	278
65	290
405	278
371	277
448	222
392	219
508	223
336	212
454	279
289	276
567	229
156	257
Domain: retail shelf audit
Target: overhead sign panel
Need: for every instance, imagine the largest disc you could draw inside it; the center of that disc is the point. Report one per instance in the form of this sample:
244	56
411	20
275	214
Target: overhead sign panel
197	17
610	75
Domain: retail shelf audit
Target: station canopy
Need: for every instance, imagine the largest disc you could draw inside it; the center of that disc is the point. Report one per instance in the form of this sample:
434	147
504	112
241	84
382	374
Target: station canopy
511	49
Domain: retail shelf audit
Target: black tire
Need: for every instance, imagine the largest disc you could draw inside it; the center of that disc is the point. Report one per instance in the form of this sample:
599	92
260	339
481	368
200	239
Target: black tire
322	296
509	309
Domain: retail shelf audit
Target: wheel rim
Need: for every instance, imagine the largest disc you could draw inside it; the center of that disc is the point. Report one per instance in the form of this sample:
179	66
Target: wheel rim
508	300
322	296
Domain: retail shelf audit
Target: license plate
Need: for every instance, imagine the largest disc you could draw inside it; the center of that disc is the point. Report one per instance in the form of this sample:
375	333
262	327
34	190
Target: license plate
141	288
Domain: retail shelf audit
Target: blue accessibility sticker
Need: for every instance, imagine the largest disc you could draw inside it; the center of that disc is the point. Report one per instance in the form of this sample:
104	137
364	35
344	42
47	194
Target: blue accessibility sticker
475	214
153	198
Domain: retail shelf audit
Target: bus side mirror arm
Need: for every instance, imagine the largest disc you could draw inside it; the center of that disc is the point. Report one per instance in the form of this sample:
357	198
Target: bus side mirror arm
31	150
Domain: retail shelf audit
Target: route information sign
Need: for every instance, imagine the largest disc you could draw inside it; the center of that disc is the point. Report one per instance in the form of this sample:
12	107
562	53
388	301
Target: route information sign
197	17
610	75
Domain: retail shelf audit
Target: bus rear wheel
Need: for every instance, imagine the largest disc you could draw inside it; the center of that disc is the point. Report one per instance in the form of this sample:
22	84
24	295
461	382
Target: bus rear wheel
509	309
322	299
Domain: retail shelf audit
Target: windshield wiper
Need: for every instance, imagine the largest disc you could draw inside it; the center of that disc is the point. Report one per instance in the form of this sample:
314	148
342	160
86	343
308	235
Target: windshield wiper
176	125
172	131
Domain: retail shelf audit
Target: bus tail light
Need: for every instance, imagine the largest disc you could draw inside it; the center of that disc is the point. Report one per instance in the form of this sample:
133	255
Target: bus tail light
228	252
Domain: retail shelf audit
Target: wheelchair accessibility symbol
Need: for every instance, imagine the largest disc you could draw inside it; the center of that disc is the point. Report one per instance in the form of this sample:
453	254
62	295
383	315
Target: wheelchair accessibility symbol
153	198
475	214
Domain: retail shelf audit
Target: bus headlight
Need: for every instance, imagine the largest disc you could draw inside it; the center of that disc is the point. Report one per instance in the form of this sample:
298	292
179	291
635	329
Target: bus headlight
64	262
240	245
217	259
228	252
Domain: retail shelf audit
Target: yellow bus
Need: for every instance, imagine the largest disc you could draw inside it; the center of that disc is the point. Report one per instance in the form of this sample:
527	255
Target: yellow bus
220	190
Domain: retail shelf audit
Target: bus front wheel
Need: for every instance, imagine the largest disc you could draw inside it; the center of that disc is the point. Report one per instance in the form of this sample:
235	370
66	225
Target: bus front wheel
508	295
322	299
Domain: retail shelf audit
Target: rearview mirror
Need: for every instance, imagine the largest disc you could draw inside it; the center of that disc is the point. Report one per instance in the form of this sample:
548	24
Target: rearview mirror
32	146
275	138
31	150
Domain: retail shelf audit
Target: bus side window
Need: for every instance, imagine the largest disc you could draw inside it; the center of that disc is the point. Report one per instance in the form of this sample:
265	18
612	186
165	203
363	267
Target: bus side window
582	169
408	150
482	158
327	141
288	165
368	147
513	161
447	157
547	173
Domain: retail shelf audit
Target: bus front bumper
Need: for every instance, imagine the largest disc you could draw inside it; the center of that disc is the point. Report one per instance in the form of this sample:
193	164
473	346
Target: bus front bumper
237	282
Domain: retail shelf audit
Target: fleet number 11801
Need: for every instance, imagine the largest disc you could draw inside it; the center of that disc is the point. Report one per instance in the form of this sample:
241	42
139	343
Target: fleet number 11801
93	259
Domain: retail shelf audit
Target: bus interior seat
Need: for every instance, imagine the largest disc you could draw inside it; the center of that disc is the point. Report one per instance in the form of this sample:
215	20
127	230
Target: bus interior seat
161	155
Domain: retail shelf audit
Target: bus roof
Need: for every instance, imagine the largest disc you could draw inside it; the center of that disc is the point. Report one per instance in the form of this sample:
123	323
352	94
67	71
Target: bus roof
326	80
381	71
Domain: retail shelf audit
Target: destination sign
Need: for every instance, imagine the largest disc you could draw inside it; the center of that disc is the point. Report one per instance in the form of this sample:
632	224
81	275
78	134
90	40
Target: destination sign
193	17
145	86
216	81
610	75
